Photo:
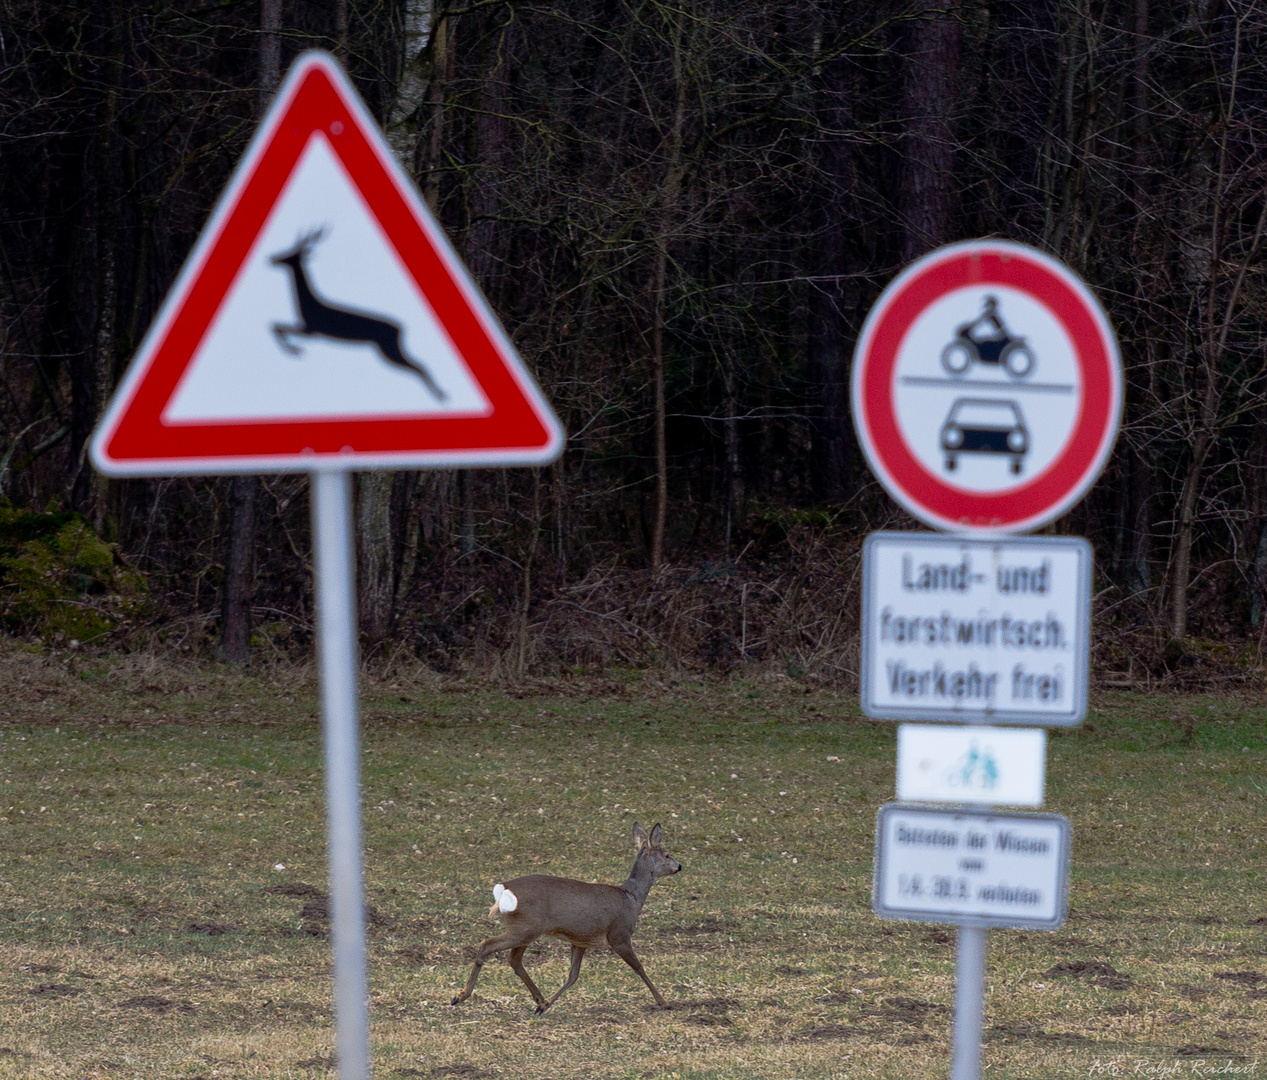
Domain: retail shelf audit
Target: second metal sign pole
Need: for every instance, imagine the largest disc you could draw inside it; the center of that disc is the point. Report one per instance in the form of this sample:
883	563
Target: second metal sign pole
334	571
965	1061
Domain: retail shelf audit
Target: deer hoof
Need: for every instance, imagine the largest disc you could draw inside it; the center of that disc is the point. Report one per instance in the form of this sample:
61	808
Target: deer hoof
541	1008
457	1000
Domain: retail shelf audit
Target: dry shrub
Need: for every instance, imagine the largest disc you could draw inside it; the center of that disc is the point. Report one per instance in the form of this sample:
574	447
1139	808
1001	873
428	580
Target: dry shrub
795	612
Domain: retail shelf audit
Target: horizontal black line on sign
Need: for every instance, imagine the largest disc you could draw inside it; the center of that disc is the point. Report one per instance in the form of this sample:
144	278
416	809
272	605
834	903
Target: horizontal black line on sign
1011	387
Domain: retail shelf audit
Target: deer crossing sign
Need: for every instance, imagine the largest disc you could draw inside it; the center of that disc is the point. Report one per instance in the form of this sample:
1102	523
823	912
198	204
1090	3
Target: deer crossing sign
323	321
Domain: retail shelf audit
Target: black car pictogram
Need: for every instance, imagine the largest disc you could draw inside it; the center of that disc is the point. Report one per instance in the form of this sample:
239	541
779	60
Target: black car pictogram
985	340
984	426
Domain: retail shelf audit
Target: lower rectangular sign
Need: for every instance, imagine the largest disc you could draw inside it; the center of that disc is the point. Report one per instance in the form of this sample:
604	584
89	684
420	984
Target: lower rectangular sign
971	867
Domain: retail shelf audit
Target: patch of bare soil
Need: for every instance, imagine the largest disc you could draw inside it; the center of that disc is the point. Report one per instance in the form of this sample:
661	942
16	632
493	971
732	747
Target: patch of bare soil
415	955
1031	1031
1196	1050
1103	975
712	1004
160	1005
210	929
824	1032
316	911
711	1018
293	888
55	989
1242	978
906	1010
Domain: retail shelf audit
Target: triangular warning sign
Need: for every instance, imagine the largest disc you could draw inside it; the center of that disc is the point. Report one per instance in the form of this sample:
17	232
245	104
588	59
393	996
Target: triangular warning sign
323	321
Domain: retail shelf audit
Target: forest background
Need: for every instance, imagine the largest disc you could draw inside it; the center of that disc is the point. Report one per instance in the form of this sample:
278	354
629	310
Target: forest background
682	211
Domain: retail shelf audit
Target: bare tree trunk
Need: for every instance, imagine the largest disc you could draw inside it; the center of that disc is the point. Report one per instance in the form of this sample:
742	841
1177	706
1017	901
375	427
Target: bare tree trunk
928	145
525	607
376	570
827	358
668	207
239	564
658	411
1181	568
730	442
1206	259
341	28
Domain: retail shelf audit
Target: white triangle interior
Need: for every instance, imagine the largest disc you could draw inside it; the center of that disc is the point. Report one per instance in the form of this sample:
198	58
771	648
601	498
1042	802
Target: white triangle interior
241	372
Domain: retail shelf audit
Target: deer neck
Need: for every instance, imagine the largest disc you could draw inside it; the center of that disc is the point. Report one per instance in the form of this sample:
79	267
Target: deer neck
638	884
303	291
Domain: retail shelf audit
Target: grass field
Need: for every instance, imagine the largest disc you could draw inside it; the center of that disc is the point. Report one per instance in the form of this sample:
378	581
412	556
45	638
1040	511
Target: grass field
148	928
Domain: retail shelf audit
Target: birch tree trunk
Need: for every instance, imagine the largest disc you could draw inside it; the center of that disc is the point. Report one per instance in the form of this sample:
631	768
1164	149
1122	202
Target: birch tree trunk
381	539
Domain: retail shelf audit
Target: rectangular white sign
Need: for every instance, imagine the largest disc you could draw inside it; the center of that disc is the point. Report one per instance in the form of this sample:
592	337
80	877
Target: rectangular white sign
971	867
965	629
971	763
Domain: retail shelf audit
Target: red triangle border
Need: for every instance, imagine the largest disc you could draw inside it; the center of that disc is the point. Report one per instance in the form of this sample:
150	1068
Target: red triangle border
132	439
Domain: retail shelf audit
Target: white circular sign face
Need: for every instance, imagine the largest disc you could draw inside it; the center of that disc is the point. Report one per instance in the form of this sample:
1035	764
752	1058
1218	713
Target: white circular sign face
987	388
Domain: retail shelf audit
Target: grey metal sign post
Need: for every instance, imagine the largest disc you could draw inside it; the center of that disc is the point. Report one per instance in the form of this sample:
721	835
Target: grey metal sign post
965	1055
334	566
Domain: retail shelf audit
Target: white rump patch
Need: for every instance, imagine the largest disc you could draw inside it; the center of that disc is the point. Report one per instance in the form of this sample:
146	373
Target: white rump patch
504	900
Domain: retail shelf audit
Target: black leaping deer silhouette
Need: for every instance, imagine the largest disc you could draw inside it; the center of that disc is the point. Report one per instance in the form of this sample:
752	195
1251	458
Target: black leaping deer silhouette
319	319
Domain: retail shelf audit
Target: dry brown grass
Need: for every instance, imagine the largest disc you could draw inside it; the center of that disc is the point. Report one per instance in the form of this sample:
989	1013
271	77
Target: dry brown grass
176	955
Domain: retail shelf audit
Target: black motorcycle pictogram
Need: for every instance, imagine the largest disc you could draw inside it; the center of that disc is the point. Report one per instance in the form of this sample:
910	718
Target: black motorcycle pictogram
319	319
985	340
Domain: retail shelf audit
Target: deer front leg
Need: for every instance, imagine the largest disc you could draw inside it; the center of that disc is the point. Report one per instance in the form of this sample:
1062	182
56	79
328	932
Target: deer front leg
624	949
578	954
282	333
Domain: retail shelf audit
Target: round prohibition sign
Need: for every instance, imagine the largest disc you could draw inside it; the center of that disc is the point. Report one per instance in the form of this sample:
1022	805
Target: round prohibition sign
987	388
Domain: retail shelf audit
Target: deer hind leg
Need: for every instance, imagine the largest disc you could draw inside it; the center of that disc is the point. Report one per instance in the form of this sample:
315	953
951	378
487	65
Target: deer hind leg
387	338
578	954
517	966
624	949
508	940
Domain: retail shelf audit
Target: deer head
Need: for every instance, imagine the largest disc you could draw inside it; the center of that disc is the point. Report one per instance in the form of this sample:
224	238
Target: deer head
301	248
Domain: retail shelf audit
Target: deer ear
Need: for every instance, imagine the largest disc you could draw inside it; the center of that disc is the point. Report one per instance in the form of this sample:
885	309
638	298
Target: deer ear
657	834
640	836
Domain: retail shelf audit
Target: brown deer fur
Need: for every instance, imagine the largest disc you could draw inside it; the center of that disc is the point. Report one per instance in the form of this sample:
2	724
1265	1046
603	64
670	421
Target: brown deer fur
582	914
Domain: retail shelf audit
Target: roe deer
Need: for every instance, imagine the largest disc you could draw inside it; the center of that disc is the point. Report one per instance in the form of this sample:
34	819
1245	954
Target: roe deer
319	319
582	914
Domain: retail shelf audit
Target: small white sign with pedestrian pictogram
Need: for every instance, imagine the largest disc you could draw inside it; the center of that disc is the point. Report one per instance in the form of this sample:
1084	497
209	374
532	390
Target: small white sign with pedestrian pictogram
971	763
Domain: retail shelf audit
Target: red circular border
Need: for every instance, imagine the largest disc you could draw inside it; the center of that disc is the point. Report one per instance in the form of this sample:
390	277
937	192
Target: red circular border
1062	481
